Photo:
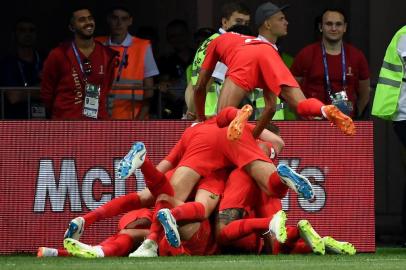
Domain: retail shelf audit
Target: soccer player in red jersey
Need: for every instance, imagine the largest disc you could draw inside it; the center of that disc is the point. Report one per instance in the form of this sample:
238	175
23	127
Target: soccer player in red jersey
254	63
243	218
132	229
205	149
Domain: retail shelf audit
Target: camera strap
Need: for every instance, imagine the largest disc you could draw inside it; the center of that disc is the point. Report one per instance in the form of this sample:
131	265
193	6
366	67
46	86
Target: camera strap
327	77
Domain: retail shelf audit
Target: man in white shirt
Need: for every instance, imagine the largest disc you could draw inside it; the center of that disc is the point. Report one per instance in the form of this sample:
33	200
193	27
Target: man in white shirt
136	67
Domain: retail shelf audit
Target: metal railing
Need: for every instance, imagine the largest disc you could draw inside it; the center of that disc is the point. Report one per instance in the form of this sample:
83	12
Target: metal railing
32	107
27	90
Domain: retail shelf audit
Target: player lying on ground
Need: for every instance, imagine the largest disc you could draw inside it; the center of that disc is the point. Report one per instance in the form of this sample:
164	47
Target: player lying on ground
85	250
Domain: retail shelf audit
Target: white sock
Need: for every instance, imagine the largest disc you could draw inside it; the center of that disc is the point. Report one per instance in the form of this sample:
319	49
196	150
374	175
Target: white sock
322	112
99	251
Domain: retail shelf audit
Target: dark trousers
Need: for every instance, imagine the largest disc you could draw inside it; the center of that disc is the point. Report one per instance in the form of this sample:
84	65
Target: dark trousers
400	130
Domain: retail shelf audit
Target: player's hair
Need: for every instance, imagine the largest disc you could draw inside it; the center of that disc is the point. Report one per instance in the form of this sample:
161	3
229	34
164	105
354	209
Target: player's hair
235	6
241	29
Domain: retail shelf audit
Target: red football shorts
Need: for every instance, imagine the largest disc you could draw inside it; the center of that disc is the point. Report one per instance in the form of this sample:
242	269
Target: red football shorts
240	191
133	216
259	66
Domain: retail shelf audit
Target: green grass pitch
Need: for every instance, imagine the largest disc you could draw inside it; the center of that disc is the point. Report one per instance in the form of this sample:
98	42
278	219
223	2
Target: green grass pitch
384	258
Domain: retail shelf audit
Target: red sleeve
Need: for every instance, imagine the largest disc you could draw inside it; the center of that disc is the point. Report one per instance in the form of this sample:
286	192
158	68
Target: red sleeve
50	78
212	56
281	74
107	83
250	126
363	67
175	154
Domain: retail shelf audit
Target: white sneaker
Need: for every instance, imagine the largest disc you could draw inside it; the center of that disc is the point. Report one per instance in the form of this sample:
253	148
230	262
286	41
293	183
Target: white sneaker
82	250
277	226
75	228
47	252
148	248
132	161
171	229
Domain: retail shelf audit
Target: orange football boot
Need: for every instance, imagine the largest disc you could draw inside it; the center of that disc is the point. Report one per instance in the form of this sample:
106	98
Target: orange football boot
338	118
236	126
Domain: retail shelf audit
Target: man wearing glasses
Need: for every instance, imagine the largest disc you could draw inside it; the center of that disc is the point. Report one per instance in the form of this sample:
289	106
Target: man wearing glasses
78	74
333	71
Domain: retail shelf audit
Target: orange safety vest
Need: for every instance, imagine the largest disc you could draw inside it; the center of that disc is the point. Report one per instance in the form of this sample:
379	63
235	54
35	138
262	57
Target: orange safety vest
127	104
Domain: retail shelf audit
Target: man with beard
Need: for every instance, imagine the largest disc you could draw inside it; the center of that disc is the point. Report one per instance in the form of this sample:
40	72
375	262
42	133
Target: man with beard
78	74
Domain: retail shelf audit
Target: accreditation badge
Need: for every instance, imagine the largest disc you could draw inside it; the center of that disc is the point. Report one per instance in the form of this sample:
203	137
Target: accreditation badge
340	100
91	106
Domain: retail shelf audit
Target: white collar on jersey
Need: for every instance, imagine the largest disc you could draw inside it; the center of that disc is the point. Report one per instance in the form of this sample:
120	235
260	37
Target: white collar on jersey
264	39
126	43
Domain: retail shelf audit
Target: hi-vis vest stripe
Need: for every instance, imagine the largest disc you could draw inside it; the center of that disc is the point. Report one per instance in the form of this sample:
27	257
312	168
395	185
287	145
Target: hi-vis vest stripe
132	76
258	102
390	78
210	107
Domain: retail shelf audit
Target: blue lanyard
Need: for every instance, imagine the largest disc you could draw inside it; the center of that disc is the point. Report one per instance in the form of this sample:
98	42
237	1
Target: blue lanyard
327	77
20	67
123	62
75	50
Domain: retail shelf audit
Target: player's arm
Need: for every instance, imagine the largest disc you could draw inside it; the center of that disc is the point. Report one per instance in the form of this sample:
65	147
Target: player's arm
267	114
277	142
164	166
172	159
293	96
205	73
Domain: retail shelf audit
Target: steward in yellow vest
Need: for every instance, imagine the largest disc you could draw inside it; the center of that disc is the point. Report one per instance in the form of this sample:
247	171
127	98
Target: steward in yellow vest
390	80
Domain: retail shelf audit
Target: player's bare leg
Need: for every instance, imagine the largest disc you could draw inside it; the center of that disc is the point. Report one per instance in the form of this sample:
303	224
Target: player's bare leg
297	100
183	180
230	95
263	172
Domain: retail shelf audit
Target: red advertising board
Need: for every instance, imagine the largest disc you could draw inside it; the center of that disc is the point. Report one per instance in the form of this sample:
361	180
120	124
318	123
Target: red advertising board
51	172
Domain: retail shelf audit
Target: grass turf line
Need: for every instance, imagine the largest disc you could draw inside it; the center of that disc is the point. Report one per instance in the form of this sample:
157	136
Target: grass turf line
384	258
